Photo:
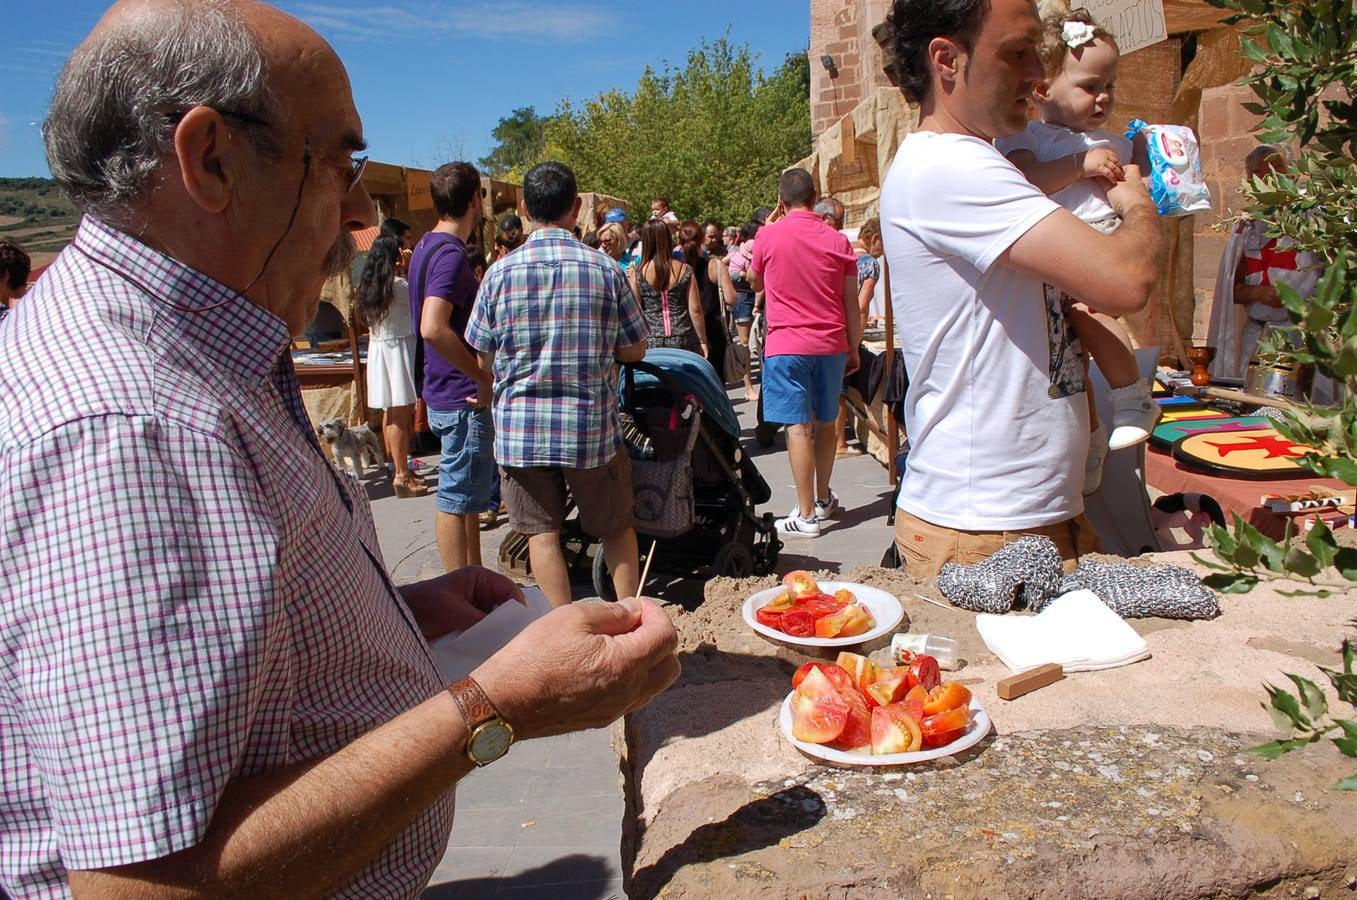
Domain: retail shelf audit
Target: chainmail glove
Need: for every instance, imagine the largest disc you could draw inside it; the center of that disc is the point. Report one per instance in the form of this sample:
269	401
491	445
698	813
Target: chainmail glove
1026	572
1136	592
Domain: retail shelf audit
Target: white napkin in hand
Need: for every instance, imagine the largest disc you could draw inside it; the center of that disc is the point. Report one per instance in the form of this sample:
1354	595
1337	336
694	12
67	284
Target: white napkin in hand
459	653
1076	630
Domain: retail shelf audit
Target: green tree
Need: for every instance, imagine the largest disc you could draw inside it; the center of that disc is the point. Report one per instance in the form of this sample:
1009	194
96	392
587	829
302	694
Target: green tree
1306	56
520	142
712	136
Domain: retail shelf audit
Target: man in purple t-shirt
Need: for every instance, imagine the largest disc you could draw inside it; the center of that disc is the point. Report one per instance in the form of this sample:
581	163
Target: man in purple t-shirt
456	390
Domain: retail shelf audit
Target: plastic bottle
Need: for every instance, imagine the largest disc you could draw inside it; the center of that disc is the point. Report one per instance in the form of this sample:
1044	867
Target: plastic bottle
943	649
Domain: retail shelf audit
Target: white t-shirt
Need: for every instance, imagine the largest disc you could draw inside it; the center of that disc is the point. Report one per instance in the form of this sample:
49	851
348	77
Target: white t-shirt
1085	198
996	442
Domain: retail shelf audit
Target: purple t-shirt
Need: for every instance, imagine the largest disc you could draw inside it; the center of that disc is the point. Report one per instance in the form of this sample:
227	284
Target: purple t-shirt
446	387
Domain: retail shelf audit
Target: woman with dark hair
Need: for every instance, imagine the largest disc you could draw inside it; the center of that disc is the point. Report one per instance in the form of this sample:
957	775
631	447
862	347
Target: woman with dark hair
668	293
737	264
14	268
713	285
382	298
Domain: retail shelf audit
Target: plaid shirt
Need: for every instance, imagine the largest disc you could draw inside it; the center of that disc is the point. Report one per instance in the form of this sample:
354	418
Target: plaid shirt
554	312
192	593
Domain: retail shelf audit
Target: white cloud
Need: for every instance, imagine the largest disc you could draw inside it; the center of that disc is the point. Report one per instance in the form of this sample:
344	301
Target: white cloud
480	20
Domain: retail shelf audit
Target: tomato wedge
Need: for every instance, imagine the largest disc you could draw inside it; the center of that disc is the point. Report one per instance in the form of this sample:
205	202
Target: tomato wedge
945	727
857	731
914	702
945	696
769	618
798	623
781	603
862	670
840	679
894	730
818	720
926	672
821	606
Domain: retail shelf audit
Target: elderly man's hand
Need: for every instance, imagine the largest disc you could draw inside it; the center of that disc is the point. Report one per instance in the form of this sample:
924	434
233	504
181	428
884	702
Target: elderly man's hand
457	600
1130	194
582	666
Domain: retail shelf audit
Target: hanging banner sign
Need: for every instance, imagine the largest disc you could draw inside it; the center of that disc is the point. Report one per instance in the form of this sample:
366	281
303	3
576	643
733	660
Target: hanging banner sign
1134	23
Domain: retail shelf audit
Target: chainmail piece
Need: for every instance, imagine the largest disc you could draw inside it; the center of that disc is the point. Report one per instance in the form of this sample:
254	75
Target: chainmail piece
1136	592
1025	573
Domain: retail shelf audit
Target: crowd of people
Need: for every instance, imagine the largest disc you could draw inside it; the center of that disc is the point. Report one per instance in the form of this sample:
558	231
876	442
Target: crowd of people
209	681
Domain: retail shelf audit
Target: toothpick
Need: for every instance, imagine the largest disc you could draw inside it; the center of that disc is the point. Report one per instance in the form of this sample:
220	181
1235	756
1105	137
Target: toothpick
932	601
641	588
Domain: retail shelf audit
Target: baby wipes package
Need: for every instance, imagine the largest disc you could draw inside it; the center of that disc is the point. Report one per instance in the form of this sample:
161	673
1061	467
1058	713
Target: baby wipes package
1175	176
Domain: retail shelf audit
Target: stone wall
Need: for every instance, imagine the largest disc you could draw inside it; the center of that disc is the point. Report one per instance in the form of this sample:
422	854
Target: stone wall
843	30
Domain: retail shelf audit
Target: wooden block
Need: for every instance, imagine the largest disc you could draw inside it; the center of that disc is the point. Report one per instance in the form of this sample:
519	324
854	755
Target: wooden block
1024	682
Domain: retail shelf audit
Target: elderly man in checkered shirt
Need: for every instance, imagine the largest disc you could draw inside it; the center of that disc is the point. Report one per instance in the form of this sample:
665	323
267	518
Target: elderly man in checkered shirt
208	682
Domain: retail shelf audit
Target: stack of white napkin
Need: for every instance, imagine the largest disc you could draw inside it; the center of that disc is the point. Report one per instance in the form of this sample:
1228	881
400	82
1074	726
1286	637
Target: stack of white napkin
1076	630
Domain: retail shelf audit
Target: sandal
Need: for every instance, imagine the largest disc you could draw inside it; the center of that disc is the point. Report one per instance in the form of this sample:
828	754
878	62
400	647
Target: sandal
410	486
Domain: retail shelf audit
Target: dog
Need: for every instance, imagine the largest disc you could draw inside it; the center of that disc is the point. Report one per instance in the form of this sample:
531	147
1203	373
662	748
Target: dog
351	445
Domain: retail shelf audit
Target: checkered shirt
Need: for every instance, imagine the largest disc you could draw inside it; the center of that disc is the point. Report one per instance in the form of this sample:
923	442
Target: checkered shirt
554	312
192	593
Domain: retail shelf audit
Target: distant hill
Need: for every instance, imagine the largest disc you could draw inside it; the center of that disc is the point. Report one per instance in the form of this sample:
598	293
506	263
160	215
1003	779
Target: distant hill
36	216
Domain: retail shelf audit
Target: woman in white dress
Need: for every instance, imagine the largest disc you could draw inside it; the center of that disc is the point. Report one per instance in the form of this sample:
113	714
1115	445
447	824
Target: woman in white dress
383	300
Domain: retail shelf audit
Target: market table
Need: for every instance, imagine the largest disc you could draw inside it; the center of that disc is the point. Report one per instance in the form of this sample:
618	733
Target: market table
1235	495
1128	782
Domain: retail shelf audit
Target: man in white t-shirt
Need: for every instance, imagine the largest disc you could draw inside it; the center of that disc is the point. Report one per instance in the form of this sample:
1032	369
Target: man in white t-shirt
995	452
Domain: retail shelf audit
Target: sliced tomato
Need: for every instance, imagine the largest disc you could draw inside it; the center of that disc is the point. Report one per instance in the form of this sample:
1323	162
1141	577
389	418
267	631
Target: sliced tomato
860	621
831	626
781	603
845	596
836	675
822	605
769	618
857	731
798	623
945	727
914	702
862	670
945	696
800	584
926	672
894	730
818	720
890	686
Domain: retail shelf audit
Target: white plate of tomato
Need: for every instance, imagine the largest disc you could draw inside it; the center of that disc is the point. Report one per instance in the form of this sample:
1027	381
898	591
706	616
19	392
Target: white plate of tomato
854	713
805	613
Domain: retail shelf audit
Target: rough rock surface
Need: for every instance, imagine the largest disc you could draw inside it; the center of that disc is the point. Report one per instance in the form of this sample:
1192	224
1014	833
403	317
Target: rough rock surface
1125	783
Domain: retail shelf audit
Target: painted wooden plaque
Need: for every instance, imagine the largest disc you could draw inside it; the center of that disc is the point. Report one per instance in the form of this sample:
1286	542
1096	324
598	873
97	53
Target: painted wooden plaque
1262	453
1181	403
1164	436
1178	415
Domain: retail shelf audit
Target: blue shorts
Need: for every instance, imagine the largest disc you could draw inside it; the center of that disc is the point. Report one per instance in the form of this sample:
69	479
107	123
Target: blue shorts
744	307
466	470
799	389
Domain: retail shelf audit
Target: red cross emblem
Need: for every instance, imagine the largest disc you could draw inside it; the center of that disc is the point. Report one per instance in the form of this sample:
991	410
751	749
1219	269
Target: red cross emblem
1277	447
1270	258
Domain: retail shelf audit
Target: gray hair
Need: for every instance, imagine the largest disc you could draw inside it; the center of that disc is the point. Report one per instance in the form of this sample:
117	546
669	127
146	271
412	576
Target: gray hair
829	208
1261	154
119	96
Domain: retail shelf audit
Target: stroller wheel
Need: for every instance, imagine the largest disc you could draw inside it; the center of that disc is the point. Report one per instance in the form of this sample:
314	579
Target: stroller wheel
603	581
734	560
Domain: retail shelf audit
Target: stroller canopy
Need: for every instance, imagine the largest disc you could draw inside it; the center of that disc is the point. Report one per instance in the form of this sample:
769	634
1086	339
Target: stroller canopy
695	375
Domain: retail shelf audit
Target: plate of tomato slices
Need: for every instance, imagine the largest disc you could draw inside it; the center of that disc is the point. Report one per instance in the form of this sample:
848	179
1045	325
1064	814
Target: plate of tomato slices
853	713
826	614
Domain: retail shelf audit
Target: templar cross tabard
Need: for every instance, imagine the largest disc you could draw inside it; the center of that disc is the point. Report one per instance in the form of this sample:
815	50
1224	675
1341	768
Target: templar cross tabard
1276	447
1270	258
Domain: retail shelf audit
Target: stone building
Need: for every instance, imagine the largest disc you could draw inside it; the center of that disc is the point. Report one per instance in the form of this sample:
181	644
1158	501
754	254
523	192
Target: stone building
858	118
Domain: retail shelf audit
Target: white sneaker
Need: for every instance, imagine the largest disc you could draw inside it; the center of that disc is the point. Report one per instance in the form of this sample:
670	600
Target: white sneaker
1134	415
797	526
827	507
1097	455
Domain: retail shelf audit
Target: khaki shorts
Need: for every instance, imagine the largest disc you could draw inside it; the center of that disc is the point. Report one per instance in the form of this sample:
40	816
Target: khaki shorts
536	497
924	547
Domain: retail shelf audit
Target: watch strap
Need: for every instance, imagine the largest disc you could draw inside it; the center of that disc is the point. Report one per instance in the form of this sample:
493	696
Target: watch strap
472	702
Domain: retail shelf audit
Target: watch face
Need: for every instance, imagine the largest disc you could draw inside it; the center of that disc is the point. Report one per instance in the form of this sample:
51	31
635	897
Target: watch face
489	742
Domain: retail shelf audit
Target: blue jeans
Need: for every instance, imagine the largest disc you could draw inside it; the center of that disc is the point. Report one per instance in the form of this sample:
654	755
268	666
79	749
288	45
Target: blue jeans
466	468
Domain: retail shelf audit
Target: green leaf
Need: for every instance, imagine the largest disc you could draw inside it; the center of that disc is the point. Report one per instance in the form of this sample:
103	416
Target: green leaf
1345	561
1346	746
1275	749
1347	784
1298	562
1311	696
1231	582
1321	542
1289	706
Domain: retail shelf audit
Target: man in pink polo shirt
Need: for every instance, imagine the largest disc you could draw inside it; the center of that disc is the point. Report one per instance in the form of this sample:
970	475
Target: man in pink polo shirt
808	274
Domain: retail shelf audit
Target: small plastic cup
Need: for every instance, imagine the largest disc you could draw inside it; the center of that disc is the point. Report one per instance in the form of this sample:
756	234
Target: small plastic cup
943	649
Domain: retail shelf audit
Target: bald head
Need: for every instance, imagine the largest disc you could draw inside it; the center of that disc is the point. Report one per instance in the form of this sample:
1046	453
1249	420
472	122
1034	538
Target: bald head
144	65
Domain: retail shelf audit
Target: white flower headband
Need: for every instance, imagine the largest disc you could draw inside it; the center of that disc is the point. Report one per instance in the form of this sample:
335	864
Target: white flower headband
1077	34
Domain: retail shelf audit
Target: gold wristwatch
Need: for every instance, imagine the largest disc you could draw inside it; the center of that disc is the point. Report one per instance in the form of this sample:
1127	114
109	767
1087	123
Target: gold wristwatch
490	736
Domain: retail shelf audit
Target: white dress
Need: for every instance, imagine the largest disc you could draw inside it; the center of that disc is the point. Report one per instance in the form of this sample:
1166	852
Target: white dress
391	354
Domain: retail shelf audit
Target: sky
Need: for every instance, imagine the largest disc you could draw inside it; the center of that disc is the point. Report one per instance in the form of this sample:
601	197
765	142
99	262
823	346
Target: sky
431	78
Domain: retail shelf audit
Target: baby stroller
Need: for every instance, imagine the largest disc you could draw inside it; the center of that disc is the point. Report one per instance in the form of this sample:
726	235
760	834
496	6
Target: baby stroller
697	492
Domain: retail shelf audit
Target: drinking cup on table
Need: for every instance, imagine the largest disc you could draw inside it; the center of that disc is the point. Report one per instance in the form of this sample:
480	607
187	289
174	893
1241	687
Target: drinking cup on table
943	649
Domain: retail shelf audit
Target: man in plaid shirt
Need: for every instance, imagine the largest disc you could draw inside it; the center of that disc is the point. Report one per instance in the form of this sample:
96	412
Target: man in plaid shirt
208	683
552	320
